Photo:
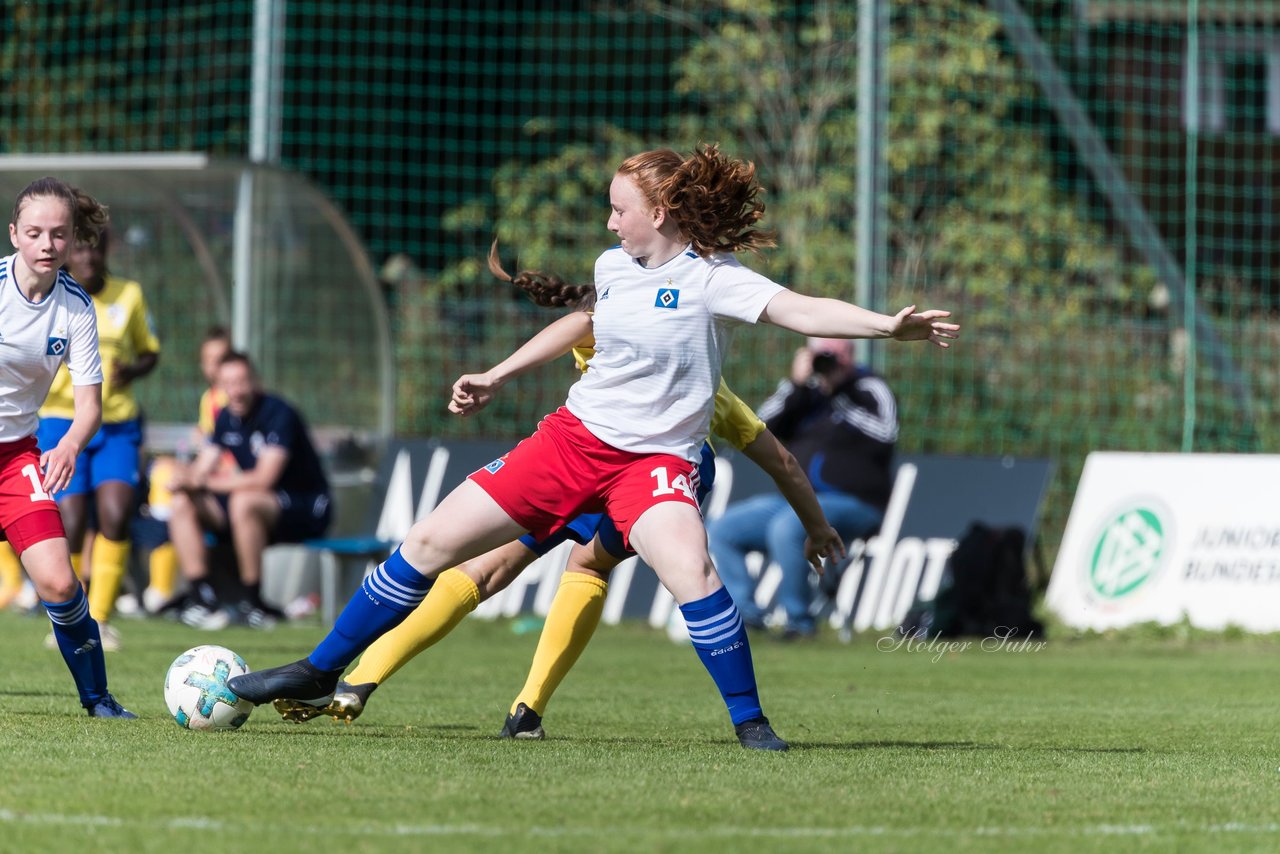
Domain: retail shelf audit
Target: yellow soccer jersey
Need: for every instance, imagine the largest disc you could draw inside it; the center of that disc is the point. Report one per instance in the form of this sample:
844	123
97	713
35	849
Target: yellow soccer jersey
124	331
211	403
732	419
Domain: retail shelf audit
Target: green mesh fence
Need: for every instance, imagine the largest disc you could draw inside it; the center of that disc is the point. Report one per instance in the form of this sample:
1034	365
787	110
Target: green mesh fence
1090	185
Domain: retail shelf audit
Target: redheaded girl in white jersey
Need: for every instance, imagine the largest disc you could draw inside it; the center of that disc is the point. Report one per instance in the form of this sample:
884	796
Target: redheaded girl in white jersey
46	320
627	440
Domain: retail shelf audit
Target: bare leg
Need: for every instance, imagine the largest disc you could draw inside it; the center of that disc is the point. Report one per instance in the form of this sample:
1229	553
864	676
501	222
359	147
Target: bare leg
494	570
191	514
48	562
252	516
671	539
465	524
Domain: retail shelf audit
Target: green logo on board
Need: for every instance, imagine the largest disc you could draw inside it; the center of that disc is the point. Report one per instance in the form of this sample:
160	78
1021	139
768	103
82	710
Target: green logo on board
1127	554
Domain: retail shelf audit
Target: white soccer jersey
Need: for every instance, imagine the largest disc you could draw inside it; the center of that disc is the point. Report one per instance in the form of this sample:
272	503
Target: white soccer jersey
661	335
35	338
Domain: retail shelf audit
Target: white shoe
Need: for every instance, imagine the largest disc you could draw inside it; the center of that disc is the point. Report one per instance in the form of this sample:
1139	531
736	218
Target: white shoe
50	641
110	637
26	600
127	605
153	600
202	617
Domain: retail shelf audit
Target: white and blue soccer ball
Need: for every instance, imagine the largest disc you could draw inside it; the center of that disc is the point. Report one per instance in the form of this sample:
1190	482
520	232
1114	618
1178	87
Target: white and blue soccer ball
195	689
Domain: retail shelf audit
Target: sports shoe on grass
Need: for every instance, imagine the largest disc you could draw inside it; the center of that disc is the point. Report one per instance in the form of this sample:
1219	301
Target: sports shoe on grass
756	734
347	704
110	637
524	723
107	707
127	605
260	617
299	681
201	616
153	601
26	600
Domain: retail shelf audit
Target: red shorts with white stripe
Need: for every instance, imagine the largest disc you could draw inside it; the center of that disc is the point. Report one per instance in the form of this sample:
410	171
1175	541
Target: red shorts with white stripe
28	514
563	470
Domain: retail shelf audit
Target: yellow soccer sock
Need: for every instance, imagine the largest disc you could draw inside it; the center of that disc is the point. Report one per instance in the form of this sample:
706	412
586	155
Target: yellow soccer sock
110	559
571	621
77	559
452	597
10	575
163	569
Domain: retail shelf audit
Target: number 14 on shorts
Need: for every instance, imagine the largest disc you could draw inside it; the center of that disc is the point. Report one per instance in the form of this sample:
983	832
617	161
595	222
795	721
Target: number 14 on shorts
666	486
32	474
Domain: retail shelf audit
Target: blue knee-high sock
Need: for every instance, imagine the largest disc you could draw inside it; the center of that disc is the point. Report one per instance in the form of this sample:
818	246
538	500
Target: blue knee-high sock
384	599
716	629
81	645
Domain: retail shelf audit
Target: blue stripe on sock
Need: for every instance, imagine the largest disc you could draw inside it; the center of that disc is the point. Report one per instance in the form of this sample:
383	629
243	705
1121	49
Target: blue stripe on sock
70	612
381	586
80	643
385	598
716	629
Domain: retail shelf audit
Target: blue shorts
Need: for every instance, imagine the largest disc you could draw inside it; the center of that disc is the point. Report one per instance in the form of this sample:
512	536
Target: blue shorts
303	515
112	454
582	529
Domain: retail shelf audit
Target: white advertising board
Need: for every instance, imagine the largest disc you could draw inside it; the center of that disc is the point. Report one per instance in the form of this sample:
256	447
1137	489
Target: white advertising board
1156	537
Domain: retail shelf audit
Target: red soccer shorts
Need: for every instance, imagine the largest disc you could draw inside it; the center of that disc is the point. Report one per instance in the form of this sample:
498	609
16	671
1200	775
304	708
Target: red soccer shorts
563	470
28	514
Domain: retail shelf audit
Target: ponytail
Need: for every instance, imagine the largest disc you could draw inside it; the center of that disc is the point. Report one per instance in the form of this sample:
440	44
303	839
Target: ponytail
547	291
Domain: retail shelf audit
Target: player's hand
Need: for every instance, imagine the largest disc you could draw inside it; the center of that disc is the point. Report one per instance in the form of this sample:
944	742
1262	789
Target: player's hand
826	543
472	392
802	366
910	325
58	465
121	376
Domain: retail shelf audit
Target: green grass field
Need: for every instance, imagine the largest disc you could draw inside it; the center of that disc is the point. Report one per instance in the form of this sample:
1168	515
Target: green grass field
1142	742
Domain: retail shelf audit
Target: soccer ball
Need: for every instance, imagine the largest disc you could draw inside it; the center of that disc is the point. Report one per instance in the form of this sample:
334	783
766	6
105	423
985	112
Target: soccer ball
195	689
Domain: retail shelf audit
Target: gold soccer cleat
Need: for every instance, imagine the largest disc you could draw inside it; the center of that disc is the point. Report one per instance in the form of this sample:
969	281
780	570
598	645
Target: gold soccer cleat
296	711
347	705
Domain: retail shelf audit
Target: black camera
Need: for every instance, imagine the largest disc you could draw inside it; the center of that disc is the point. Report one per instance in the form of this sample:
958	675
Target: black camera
826	363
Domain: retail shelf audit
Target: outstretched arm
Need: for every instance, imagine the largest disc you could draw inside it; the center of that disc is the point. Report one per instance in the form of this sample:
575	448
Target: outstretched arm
823	540
822	317
472	392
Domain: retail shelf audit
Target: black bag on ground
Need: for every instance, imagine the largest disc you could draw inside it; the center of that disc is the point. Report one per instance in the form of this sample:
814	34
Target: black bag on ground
983	591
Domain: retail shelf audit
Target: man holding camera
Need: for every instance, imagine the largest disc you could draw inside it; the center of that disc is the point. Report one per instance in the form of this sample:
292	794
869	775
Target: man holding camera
841	422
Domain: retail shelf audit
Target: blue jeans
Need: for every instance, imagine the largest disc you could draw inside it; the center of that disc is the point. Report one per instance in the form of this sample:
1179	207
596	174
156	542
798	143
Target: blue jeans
766	523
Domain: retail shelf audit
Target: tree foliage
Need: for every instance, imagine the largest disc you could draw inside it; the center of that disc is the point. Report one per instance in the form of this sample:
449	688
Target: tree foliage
149	75
973	207
977	221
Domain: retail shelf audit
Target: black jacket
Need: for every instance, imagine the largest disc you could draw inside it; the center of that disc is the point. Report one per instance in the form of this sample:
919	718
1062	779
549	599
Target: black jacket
845	441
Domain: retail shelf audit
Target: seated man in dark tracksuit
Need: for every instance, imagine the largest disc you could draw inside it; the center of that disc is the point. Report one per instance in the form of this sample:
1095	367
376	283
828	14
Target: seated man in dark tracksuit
279	494
840	421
